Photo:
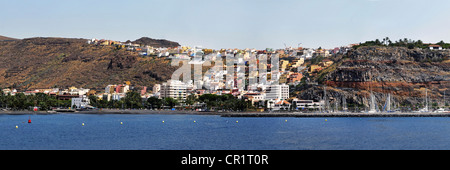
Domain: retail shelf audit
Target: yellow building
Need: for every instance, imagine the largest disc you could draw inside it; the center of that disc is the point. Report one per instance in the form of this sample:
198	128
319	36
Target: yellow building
283	79
72	88
326	63
314	68
284	64
299	62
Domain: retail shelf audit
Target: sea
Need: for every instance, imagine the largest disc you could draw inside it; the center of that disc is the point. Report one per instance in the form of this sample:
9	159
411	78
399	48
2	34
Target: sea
212	132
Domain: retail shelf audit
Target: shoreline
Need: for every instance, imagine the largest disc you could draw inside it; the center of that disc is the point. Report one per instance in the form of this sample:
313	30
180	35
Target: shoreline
338	114
235	114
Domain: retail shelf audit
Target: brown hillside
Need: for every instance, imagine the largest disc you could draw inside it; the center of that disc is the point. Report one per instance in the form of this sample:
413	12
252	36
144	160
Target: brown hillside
3	38
61	62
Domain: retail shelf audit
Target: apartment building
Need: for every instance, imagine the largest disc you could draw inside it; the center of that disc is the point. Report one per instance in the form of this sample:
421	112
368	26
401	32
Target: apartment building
280	92
174	89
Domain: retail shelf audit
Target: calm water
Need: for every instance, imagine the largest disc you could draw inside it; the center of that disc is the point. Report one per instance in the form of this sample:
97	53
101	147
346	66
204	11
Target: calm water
65	131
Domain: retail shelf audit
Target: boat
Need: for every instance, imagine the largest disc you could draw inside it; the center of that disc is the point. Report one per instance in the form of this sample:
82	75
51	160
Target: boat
425	109
440	110
64	110
387	106
372	104
344	104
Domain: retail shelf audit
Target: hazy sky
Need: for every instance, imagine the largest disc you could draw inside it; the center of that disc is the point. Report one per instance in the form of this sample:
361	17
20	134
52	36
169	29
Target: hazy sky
230	23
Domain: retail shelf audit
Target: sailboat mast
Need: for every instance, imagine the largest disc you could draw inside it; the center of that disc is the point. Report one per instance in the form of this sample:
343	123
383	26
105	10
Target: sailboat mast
426	99
344	103
325	103
388	106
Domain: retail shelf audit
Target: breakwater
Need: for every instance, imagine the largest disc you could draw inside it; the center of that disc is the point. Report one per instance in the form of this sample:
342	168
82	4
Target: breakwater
338	114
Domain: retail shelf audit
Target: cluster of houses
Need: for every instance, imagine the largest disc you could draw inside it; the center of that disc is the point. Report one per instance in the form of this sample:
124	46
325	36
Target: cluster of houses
232	79
270	97
272	94
78	96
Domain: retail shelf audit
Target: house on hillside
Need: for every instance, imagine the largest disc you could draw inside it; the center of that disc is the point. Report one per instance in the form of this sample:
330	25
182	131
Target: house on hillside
326	63
435	47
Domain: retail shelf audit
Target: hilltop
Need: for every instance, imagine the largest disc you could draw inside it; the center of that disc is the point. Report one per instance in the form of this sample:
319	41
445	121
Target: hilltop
155	42
63	62
3	38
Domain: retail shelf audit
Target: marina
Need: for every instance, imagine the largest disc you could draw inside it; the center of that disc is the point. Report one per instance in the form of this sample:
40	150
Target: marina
338	114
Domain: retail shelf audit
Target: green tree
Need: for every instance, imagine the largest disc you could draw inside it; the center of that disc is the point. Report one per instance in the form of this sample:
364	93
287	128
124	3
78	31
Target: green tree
190	100
93	100
154	102
169	101
133	99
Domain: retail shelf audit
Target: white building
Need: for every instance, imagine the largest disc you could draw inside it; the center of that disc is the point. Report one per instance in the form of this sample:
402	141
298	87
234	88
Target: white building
308	53
277	92
80	102
281	105
307	104
174	89
156	88
435	47
80	91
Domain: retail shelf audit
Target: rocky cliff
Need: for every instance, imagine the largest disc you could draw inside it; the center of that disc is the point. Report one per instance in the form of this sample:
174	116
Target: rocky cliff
405	73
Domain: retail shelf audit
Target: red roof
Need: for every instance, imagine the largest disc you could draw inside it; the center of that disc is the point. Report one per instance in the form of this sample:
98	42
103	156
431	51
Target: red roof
434	45
282	102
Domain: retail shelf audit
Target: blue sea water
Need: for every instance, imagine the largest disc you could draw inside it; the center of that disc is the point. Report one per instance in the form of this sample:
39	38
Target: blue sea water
212	132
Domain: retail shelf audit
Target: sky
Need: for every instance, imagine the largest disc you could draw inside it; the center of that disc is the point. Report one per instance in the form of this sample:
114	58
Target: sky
240	24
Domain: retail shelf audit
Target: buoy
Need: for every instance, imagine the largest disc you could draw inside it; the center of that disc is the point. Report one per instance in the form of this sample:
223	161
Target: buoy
194	121
237	121
163	121
285	120
29	120
326	120
17	126
82	124
121	123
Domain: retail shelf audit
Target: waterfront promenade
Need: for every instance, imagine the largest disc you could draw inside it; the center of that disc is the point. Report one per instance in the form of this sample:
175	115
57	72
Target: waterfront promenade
240	114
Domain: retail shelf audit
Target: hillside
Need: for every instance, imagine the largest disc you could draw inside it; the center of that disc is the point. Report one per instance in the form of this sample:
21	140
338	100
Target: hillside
62	62
3	38
403	72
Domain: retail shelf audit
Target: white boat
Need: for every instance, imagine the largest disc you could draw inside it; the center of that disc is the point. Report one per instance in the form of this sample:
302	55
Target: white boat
425	109
387	105
441	110
372	104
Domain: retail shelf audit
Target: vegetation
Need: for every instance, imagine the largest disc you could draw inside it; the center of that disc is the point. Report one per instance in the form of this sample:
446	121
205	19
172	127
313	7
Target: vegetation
132	100
212	101
20	101
401	43
317	60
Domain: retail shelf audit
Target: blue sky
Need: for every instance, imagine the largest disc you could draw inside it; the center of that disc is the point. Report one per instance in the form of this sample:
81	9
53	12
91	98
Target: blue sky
230	23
